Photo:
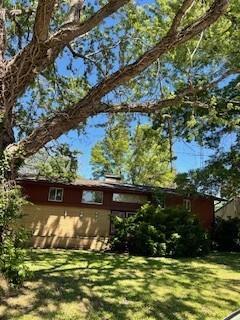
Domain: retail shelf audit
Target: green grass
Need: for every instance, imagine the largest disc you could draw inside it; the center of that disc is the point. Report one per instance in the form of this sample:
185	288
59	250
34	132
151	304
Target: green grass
73	285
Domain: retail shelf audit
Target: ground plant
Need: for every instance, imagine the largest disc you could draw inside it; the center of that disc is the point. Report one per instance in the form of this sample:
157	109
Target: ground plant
154	231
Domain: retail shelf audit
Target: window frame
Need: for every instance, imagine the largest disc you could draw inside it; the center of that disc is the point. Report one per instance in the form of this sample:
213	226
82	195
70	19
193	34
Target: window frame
56	189
98	203
129	194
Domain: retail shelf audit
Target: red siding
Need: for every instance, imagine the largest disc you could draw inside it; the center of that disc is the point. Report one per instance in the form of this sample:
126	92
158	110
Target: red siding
203	207
37	192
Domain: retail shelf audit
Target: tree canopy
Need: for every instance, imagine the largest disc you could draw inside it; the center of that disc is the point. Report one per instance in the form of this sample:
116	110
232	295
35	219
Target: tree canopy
63	62
139	157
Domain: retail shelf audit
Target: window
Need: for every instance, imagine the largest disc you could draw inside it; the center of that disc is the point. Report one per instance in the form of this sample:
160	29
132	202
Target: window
131	198
95	197
187	204
55	194
130	214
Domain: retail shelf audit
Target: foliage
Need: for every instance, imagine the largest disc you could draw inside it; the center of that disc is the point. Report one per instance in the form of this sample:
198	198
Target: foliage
153	231
221	175
12	237
227	234
59	163
111	154
141	157
150	159
116	42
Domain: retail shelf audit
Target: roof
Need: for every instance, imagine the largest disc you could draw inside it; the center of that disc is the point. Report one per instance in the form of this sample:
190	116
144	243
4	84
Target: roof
93	184
109	185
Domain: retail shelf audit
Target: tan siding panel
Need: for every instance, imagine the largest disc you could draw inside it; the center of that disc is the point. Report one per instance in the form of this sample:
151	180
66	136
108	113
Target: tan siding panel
55	223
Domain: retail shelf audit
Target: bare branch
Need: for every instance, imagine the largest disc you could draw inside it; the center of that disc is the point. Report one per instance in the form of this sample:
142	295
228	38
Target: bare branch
42	20
87	58
36	57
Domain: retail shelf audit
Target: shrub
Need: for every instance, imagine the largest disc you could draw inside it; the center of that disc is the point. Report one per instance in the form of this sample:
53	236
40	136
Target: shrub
12	238
227	234
154	231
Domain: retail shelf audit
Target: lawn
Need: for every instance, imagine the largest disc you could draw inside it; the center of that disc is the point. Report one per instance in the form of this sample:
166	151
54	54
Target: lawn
73	285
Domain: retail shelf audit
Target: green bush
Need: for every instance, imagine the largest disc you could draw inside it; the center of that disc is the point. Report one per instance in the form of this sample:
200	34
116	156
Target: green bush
12	238
153	231
227	234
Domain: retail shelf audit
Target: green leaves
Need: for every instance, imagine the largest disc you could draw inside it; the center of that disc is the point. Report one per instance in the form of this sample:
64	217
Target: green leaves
58	163
12	237
140	157
154	231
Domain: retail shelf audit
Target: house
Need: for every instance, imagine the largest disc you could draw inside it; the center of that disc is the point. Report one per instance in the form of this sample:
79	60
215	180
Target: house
231	209
77	215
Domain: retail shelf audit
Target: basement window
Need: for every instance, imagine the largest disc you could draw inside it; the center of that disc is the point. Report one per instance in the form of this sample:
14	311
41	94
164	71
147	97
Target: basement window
187	204
55	194
92	197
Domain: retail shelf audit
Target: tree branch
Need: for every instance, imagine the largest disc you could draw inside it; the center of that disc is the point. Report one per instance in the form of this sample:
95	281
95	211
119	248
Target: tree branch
186	6
53	127
150	107
2	32
69	31
42	20
36	57
75	10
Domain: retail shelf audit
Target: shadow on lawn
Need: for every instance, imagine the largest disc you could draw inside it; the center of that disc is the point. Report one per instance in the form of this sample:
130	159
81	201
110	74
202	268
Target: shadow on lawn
104	286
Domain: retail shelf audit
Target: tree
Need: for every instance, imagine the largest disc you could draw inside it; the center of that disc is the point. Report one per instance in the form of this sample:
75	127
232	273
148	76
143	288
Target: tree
111	154
141	157
150	158
221	173
55	163
28	62
220	176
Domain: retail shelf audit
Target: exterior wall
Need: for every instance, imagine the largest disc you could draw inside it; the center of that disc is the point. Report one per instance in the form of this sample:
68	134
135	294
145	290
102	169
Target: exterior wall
67	227
231	209
72	224
203	207
37	193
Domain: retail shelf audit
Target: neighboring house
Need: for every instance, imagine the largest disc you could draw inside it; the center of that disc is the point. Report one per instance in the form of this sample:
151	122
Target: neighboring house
230	210
77	215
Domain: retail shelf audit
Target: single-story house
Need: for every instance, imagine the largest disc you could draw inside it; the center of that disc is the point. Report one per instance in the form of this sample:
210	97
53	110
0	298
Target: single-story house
77	215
